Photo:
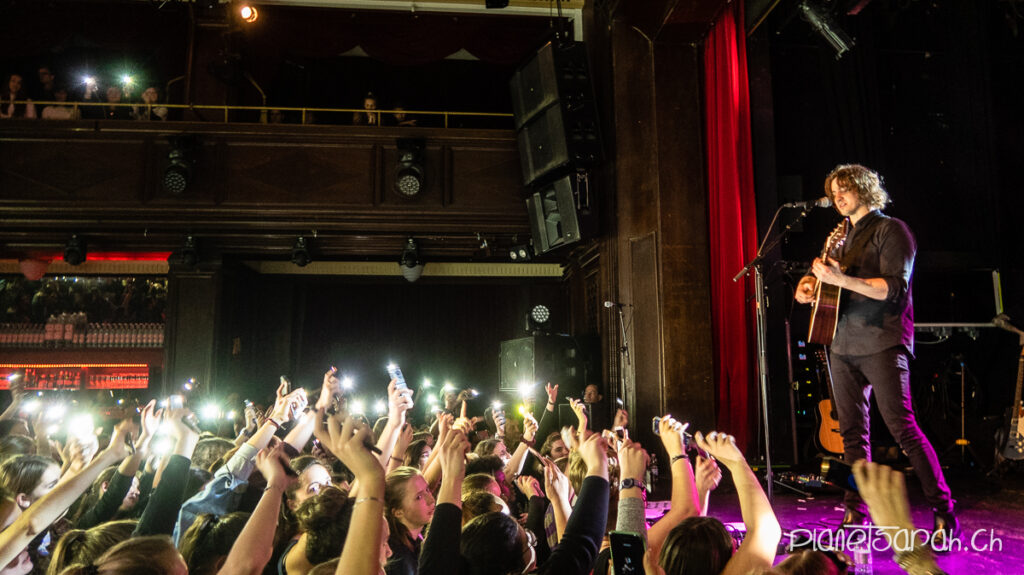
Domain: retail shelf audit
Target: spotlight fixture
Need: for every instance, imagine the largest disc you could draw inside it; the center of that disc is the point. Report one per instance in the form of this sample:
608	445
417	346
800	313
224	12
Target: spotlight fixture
410	262
821	20
180	161
75	251
409	174
520	253
249	13
300	252
538	319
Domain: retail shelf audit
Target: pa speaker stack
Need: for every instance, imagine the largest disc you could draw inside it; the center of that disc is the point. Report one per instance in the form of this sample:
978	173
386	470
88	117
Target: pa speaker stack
559	138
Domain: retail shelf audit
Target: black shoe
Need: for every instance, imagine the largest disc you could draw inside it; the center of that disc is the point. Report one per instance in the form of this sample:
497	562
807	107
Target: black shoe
852	518
946	530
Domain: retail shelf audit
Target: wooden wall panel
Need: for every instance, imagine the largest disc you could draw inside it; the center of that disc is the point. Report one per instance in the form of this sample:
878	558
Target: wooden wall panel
254	188
488	178
45	170
298	175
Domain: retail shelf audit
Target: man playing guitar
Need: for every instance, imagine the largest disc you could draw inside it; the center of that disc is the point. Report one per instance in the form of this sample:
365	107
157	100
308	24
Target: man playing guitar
874	338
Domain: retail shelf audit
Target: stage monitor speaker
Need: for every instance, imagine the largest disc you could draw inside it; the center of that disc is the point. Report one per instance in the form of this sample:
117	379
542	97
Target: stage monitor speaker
555	112
553	219
539	359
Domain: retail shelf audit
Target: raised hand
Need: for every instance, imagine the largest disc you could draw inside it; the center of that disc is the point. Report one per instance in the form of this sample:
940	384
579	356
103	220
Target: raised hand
594	451
580	409
330	388
708	474
721	446
570	438
621	419
498	416
529	486
552	393
149	418
671	432
530	426
399	402
351	443
174	417
120	446
272	463
453	454
885	493
556	483
633	460
445	421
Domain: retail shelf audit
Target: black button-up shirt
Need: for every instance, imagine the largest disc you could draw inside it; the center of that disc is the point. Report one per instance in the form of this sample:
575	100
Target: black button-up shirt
877	247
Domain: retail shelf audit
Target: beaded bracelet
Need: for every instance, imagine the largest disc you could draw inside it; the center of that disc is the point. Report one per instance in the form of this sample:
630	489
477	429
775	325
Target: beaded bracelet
364	499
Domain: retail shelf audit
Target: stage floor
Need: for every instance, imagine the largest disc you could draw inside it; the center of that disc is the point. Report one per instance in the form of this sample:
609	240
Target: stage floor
990	511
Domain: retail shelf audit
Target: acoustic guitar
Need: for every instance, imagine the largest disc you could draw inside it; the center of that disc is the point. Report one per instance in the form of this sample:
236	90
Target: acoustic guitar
825	307
829	438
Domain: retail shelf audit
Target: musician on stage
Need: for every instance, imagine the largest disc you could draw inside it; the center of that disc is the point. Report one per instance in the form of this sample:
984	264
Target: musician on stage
874	339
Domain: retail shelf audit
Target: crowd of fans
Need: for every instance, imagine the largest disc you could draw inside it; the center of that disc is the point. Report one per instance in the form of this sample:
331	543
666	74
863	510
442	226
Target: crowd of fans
301	488
103	299
52	98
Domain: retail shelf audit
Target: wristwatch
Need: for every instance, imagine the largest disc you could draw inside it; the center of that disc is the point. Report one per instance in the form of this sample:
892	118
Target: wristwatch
630	482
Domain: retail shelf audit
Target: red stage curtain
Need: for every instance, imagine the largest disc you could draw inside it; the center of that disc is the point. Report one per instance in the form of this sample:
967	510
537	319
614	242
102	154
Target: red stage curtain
733	227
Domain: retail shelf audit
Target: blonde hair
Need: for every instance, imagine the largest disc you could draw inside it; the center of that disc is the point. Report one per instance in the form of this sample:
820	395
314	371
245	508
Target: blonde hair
136	556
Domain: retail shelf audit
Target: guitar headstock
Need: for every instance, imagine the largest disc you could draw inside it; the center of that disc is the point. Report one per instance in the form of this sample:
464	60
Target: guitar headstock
835	239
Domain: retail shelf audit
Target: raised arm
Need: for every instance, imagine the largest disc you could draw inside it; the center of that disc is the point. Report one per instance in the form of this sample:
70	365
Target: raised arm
684	490
38	517
350	443
255	544
399	402
763	532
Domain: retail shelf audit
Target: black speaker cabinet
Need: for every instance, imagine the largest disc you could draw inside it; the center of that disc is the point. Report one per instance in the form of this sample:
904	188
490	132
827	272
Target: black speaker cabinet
555	112
553	219
542	358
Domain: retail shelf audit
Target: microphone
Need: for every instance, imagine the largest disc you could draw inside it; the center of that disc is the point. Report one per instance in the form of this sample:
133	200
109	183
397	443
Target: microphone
615	304
822	202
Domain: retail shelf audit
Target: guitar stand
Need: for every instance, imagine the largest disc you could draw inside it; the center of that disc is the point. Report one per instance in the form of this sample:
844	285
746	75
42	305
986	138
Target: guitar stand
962	442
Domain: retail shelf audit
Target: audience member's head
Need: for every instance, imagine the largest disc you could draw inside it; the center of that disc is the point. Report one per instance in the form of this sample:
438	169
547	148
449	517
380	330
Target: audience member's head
408	503
417	453
494	543
324	519
209	451
313	477
481	502
494	447
697	546
554	447
26	478
86	545
205	545
16	444
153	555
14	425
480	483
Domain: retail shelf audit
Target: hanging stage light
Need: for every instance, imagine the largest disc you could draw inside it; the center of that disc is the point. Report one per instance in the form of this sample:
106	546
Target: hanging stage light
180	161
409	174
75	251
249	13
410	263
300	252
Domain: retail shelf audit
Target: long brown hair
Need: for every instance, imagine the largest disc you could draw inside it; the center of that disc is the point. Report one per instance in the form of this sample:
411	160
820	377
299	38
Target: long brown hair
394	493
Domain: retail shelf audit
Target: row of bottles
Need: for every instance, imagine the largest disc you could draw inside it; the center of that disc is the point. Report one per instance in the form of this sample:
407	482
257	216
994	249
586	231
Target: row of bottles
73	378
73	331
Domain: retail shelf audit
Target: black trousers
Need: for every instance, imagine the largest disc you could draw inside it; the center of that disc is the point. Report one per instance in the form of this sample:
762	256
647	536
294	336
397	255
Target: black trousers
888	374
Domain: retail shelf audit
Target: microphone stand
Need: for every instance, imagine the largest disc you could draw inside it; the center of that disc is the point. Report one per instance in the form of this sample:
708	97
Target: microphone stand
623	354
762	328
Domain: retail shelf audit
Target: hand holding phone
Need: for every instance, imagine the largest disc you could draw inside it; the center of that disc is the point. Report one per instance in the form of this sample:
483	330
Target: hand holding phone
396	374
627	552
